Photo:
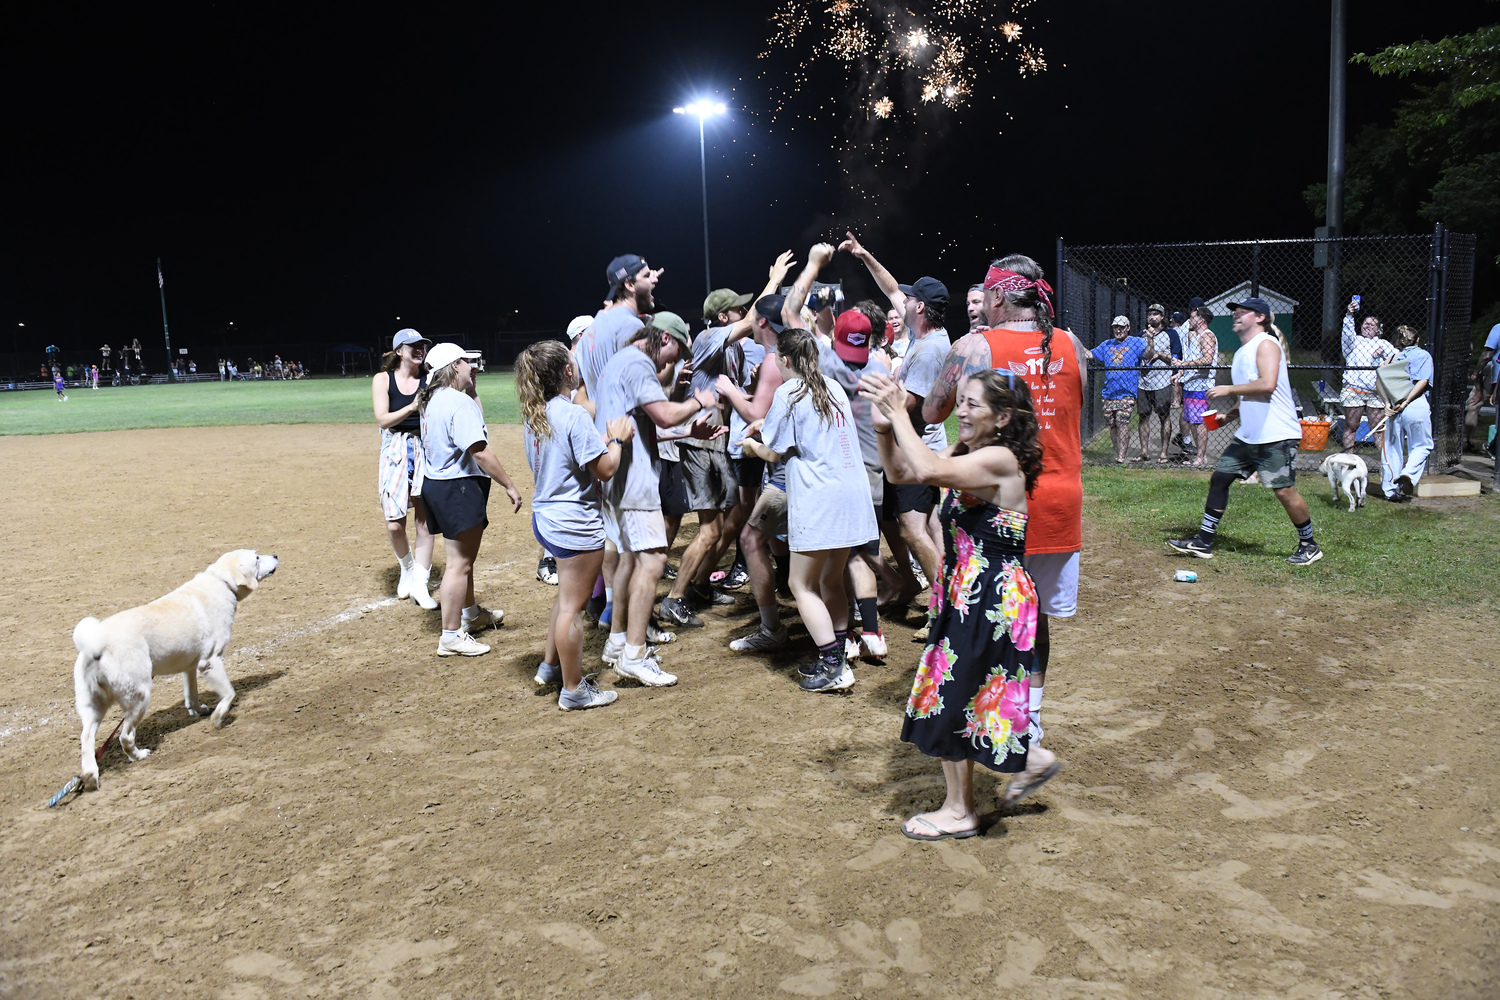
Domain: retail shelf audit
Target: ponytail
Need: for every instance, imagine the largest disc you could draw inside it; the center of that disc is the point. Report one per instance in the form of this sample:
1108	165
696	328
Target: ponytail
541	374
801	352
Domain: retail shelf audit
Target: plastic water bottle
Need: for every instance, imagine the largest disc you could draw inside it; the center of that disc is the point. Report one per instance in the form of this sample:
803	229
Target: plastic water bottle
1185	576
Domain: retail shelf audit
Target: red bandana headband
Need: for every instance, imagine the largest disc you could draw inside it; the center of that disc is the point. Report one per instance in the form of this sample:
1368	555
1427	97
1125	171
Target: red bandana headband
1010	281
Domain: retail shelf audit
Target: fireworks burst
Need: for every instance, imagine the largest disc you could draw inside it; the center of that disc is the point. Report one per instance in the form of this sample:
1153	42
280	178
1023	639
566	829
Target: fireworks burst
884	107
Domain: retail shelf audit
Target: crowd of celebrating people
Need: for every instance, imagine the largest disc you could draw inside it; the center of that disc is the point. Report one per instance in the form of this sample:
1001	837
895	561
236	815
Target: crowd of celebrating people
802	432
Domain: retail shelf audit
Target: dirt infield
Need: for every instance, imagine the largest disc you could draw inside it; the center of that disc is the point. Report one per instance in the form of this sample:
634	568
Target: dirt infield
1265	795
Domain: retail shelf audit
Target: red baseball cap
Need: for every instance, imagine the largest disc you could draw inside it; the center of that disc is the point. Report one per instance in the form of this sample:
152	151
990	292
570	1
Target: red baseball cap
851	336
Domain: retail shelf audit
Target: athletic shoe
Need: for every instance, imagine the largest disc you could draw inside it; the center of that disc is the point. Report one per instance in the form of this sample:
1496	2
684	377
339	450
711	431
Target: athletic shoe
1403	483
921	634
658	636
675	612
708	597
1307	553
403	586
586	695
418	587
874	646
546	571
612	653
606	616
462	644
760	641
829	676
669	572
486	618
916	569
735	578
1194	546
647	670
546	674
851	647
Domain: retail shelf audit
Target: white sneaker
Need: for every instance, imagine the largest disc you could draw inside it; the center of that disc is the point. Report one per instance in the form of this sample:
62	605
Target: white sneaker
586	695
874	646
760	640
613	652
658	636
403	586
486	618
462	644
546	673
647	670
851	648
417	587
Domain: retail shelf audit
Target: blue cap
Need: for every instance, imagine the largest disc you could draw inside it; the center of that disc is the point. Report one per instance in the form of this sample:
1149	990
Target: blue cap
622	269
1254	305
407	336
769	307
928	290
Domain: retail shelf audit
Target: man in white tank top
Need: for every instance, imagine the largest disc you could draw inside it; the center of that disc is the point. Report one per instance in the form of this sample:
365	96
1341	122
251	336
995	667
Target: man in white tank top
1267	439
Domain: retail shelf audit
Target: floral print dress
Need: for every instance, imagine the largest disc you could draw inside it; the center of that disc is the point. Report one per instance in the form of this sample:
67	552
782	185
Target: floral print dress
971	697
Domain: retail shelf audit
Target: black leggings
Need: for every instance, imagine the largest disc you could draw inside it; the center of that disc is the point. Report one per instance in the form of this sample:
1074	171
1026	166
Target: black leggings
1218	491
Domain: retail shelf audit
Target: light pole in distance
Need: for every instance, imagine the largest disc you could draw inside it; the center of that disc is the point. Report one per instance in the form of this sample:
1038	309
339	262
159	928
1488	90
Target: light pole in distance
703	109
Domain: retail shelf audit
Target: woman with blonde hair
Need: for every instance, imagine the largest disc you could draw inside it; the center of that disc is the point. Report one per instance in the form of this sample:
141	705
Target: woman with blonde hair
394	390
567	456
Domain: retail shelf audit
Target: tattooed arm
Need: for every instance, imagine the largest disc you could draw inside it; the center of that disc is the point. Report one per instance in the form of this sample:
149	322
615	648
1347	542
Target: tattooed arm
971	354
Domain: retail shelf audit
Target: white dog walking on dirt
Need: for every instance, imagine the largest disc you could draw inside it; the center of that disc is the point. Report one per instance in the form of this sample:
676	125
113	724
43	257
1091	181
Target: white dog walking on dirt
184	632
1349	472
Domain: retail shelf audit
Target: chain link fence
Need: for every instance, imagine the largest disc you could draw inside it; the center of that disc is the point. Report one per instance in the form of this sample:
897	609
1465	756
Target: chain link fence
1421	281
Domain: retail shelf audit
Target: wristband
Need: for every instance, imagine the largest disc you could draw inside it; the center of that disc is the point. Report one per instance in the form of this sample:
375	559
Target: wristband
618	441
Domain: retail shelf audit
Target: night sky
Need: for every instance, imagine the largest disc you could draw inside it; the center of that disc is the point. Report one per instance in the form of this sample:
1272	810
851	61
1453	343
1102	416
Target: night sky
314	174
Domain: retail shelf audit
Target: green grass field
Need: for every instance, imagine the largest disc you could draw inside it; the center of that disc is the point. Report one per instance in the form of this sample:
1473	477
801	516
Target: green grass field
218	404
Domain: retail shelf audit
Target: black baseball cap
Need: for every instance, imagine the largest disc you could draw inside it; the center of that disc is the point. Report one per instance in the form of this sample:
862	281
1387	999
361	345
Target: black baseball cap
1178	316
1254	305
622	269
769	307
1196	302
928	290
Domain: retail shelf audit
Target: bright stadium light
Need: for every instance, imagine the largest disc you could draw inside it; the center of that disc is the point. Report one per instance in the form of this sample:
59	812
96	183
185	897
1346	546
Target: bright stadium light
702	109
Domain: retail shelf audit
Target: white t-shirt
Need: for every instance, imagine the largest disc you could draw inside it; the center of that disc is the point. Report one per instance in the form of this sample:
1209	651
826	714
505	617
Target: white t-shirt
451	425
626	384
1197	379
1159	374
1364	351
1262	423
848	378
564	503
828	496
919	373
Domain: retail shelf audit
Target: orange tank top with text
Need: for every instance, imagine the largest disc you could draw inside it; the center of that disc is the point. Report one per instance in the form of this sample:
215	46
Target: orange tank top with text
1056	503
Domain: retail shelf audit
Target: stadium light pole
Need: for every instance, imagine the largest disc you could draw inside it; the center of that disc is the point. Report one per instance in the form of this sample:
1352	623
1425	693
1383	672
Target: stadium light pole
702	110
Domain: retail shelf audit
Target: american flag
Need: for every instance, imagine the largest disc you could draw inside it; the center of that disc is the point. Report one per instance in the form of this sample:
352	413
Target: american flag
159	282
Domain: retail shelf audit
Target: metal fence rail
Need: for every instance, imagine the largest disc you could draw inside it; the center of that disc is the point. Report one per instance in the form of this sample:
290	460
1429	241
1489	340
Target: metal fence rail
1422	281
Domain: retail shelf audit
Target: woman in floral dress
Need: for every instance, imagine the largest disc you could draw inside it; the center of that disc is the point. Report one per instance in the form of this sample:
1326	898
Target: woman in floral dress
970	699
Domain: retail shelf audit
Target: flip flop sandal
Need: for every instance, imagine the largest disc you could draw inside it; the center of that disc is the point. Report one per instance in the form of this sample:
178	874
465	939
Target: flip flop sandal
936	833
1020	789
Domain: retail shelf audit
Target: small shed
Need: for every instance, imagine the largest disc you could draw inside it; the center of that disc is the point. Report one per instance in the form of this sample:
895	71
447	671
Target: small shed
349	356
1282	306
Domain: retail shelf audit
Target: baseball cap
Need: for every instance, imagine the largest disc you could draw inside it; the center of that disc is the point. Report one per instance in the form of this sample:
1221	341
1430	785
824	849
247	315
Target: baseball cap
673	324
1122	321
769	307
1254	305
722	300
407	336
623	268
1196	302
1157	307
443	355
851	336
929	290
1179	316
578	325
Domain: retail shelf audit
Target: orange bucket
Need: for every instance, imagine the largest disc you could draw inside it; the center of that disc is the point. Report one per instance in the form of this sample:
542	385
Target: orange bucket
1315	434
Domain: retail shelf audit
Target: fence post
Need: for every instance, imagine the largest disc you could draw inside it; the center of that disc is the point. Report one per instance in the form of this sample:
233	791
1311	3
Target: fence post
1062	299
1437	295
1255	271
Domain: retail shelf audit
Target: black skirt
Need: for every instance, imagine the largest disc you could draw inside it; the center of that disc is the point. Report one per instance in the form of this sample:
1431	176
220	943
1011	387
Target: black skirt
456	505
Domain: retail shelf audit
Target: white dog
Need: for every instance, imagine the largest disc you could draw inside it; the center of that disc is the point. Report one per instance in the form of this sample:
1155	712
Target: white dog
184	632
1351	473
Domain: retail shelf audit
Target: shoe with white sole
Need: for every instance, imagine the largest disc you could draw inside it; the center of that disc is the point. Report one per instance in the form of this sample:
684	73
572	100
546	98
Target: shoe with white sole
658	636
760	641
546	674
612	653
486	618
647	670
403	586
462	644
851	647
417	587
1194	546
873	647
546	571
586	695
827	676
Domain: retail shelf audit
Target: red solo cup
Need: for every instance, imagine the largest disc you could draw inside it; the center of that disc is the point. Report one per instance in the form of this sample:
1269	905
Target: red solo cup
1212	420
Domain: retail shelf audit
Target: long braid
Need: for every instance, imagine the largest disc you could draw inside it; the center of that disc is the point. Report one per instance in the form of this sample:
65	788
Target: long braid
1031	298
801	352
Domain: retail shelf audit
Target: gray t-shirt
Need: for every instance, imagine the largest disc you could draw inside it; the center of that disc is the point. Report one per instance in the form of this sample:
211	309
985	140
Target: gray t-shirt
605	337
919	373
754	354
1160	374
848	378
451	425
565	505
626	384
828	496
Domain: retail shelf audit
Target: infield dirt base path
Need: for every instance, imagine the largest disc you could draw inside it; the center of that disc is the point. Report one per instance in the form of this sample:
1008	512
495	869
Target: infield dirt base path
1264	795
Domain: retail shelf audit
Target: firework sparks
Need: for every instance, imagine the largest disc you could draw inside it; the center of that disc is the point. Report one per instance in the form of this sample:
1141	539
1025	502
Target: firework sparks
884	107
1011	30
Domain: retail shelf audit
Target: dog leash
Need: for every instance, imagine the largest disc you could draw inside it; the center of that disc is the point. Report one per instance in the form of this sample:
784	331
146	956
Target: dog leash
75	783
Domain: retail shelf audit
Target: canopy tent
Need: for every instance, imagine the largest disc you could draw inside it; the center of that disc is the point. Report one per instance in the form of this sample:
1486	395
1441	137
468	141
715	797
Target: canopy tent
350	355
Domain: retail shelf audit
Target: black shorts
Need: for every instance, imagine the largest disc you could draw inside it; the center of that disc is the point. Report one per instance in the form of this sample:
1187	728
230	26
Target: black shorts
1158	401
872	547
672	487
751	471
902	498
456	505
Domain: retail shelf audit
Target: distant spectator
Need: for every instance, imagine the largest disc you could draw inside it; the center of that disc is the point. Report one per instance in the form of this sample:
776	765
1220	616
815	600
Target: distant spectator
896	337
975	303
1484	377
192	367
1200	351
1155	395
1122	351
1359	399
1408	434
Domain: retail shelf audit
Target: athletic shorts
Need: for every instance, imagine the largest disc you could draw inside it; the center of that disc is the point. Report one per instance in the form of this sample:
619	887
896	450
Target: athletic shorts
673	490
1193	405
903	498
872	547
1275	461
1352	396
1119	411
635	530
769	514
1055	575
456	505
1158	401
711	484
750	471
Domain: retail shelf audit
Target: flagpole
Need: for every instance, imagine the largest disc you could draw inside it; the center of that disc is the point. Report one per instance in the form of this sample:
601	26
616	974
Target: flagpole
161	286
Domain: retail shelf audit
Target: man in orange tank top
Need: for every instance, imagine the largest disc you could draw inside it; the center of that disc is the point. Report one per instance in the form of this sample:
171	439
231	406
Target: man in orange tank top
1022	341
